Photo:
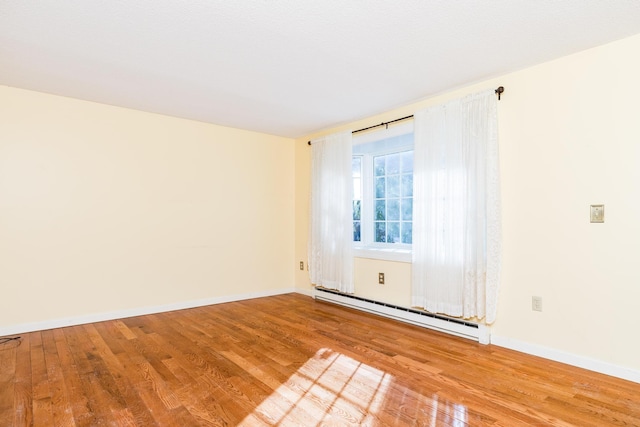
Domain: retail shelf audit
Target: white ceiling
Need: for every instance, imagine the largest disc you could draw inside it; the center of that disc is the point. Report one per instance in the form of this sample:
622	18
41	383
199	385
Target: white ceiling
288	67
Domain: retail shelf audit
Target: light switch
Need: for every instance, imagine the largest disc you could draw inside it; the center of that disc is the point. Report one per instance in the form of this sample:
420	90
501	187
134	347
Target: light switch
536	303
597	213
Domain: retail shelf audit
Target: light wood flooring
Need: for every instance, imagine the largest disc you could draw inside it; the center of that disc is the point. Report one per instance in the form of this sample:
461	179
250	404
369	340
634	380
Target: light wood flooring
291	361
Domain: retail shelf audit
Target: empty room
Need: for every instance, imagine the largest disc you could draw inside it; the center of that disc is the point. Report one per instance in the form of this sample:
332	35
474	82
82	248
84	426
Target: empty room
296	213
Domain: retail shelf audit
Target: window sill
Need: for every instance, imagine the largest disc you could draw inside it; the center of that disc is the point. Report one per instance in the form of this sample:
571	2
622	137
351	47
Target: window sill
384	254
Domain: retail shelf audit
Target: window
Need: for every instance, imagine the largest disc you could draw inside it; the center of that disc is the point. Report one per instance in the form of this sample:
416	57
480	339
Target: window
383	191
393	198
356	166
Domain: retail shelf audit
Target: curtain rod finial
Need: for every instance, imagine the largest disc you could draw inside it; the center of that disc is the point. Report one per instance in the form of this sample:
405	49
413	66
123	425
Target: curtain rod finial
499	91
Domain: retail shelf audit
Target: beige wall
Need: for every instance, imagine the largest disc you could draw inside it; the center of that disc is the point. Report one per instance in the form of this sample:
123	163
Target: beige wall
569	137
104	209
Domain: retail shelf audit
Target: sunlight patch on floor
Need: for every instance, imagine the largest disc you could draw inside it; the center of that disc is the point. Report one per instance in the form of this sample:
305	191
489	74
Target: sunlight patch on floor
455	415
330	388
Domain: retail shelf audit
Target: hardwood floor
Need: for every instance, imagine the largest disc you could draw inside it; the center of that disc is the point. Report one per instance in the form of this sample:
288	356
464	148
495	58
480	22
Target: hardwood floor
291	361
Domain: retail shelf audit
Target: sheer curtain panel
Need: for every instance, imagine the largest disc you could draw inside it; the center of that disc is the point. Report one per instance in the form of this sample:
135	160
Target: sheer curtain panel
456	228
331	225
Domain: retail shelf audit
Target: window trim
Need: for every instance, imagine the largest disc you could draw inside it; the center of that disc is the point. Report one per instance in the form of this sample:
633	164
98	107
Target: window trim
384	254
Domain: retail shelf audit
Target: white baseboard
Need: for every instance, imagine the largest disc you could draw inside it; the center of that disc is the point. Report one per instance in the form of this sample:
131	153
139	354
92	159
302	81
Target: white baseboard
468	330
307	292
568	358
139	311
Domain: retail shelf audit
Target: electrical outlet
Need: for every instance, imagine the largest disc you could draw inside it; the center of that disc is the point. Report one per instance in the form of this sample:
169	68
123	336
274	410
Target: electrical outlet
536	303
301	265
381	278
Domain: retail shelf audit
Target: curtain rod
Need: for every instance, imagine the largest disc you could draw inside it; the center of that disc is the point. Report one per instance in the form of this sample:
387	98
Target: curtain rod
498	92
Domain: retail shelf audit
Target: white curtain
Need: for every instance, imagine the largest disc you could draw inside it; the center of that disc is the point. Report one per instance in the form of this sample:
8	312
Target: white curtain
331	227
456	228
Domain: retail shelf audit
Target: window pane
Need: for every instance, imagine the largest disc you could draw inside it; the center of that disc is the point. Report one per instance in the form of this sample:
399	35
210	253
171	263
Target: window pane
356	166
393	232
407	209
393	209
406	162
380	210
380	232
406	232
378	165
380	188
407	185
356	171
393	164
393	186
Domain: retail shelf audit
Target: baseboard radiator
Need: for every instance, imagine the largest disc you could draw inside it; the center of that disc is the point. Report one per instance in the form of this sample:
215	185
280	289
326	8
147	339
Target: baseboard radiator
461	328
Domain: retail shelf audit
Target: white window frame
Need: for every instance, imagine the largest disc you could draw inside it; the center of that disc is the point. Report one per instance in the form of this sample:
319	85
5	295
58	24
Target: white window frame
367	248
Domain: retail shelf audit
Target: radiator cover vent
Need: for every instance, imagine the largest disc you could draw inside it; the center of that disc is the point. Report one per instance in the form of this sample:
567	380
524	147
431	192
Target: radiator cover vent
461	328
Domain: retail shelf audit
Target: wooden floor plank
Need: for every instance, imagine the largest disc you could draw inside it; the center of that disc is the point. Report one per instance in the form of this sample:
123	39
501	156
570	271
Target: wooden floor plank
69	355
60	402
8	360
288	360
22	379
